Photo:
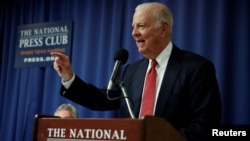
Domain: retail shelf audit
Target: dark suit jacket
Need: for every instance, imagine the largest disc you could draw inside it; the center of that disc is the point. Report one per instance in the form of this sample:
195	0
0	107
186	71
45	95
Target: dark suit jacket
189	97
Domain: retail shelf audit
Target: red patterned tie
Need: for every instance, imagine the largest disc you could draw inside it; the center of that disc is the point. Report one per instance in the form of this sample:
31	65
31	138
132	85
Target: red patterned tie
147	106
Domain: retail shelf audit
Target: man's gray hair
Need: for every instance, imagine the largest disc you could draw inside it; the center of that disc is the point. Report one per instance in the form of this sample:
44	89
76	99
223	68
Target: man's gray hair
68	107
162	13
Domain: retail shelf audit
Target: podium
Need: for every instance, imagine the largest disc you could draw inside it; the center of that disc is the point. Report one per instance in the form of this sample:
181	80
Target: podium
51	128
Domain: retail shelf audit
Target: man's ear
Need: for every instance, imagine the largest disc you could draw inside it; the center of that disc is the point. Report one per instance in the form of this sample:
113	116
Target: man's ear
165	28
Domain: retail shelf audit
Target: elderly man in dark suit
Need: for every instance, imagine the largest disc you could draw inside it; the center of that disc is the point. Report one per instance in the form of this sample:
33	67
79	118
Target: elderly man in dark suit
185	87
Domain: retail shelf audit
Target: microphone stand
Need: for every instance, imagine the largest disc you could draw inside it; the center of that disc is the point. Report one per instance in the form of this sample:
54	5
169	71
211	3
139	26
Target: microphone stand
126	99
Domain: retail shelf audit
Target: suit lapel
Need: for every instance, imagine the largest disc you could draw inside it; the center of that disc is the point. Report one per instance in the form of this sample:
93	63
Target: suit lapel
138	81
167	86
170	76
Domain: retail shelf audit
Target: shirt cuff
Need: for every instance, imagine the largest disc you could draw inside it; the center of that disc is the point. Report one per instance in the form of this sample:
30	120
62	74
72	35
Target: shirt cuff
68	83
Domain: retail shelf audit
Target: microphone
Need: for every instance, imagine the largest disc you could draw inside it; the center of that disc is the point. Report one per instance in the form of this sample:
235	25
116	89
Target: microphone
120	58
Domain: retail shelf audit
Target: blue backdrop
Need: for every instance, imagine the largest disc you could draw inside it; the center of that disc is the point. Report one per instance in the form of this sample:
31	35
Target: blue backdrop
216	29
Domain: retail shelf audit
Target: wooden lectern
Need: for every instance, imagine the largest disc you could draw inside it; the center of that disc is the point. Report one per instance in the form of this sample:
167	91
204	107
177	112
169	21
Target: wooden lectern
50	128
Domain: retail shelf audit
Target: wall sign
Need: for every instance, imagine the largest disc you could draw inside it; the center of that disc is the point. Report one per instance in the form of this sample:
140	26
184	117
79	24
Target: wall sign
36	41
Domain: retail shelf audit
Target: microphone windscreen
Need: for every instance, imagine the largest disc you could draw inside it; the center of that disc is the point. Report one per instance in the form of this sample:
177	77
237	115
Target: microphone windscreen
122	55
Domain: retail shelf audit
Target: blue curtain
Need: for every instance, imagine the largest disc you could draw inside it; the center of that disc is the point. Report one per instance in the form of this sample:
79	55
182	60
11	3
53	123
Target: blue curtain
216	29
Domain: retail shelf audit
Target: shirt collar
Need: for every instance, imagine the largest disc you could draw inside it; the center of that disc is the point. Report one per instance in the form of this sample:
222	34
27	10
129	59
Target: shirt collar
165	53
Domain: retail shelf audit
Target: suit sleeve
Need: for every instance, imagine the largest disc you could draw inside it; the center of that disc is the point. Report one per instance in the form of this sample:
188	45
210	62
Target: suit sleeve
90	96
205	103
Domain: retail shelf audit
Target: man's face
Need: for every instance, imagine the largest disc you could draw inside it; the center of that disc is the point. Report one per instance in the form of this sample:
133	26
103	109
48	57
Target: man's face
145	33
64	114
